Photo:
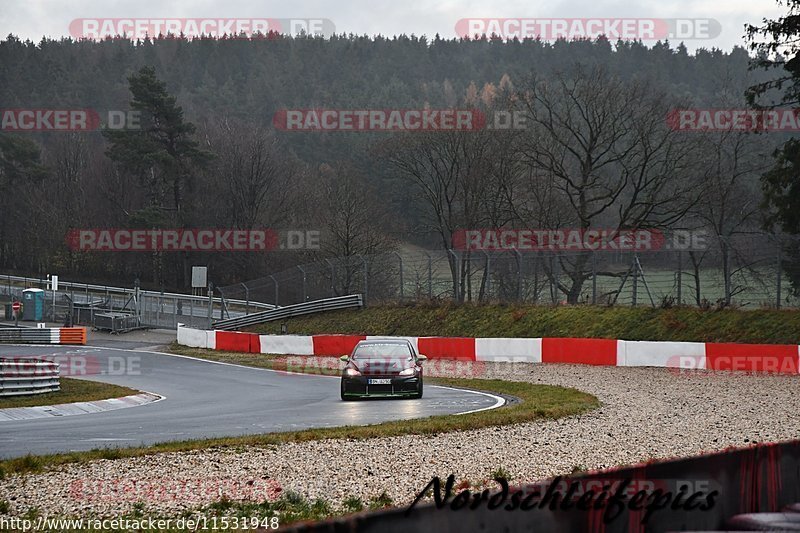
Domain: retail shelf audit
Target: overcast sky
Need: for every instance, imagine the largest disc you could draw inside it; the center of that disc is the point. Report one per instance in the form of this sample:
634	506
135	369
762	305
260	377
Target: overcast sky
32	19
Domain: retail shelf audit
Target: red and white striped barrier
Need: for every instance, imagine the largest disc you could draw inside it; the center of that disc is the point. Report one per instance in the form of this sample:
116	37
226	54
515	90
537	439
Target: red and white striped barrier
768	358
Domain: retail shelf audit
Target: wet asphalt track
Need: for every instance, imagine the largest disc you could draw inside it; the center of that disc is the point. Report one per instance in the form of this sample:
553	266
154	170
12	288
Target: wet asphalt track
205	399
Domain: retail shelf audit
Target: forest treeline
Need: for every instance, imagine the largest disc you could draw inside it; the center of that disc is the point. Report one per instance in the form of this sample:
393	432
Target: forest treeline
596	151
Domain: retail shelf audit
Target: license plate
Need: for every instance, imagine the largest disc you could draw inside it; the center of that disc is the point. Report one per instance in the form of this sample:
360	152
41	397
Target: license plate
380	382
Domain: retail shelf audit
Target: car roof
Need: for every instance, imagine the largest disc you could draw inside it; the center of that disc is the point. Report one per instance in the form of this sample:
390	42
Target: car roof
383	341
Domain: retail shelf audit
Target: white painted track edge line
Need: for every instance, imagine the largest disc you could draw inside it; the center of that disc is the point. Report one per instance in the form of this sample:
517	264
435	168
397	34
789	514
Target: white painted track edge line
499	401
159	397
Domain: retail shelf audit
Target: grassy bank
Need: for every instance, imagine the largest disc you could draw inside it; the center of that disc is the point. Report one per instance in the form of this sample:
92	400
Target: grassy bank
72	390
675	324
536	402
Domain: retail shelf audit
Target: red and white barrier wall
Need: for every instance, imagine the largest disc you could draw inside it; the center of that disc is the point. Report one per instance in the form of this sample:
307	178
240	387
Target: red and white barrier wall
777	358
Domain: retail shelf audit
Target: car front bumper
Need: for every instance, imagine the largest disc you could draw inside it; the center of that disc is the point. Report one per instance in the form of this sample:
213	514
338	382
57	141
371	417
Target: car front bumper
398	386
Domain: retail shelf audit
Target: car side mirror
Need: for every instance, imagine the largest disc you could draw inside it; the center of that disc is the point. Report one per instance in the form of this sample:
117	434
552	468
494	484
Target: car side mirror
421	358
345	359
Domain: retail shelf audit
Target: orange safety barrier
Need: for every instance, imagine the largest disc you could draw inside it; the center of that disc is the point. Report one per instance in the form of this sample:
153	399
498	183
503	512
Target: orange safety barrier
72	335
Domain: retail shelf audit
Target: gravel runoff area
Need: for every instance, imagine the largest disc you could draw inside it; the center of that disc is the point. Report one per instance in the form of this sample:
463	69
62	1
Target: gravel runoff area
646	413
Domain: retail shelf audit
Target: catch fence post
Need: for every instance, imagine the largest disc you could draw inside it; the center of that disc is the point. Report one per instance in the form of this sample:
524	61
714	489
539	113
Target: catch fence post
780	261
400	259
519	274
300	268
210	314
430	276
680	276
333	277
366	278
594	278
246	299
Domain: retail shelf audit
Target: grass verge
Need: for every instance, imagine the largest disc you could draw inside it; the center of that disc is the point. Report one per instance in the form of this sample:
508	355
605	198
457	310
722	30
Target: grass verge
536	402
761	326
72	390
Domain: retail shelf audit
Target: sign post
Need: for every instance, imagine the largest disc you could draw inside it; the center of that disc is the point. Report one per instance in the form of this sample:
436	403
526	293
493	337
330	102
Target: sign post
15	307
53	287
199	278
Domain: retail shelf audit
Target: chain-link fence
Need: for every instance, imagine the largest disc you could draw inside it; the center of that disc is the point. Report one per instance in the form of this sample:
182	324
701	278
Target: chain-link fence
746	270
81	303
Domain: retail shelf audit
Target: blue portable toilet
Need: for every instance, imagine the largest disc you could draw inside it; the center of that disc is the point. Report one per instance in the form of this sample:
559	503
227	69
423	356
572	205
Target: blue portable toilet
33	304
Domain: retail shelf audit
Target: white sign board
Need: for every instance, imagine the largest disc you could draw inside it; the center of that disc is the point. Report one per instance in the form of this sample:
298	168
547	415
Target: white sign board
199	277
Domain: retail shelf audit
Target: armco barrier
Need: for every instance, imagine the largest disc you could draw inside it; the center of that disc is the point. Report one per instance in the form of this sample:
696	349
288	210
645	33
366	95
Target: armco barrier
20	377
353	301
763	478
43	335
768	358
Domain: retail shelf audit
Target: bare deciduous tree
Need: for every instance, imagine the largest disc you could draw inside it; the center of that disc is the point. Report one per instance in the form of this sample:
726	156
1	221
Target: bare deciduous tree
459	178
601	146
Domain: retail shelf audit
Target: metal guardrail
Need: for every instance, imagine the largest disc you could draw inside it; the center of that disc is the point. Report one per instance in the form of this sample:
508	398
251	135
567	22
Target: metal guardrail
19	377
88	287
30	335
307	308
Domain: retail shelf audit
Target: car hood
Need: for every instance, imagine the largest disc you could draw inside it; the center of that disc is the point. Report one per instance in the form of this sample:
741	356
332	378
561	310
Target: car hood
382	365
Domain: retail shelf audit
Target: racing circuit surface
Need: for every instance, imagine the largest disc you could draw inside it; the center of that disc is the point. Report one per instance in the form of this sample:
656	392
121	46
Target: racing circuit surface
204	399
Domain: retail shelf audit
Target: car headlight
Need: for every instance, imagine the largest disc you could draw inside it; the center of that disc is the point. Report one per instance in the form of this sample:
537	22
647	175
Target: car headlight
408	371
351	372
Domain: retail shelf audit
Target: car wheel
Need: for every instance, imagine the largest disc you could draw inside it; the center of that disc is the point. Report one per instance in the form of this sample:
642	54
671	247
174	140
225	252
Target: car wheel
343	395
419	390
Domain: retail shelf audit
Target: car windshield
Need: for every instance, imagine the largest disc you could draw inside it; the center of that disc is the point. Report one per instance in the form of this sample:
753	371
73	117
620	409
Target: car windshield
390	350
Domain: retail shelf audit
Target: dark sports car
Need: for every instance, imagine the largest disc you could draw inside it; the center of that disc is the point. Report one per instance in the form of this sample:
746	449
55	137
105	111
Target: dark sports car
382	368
